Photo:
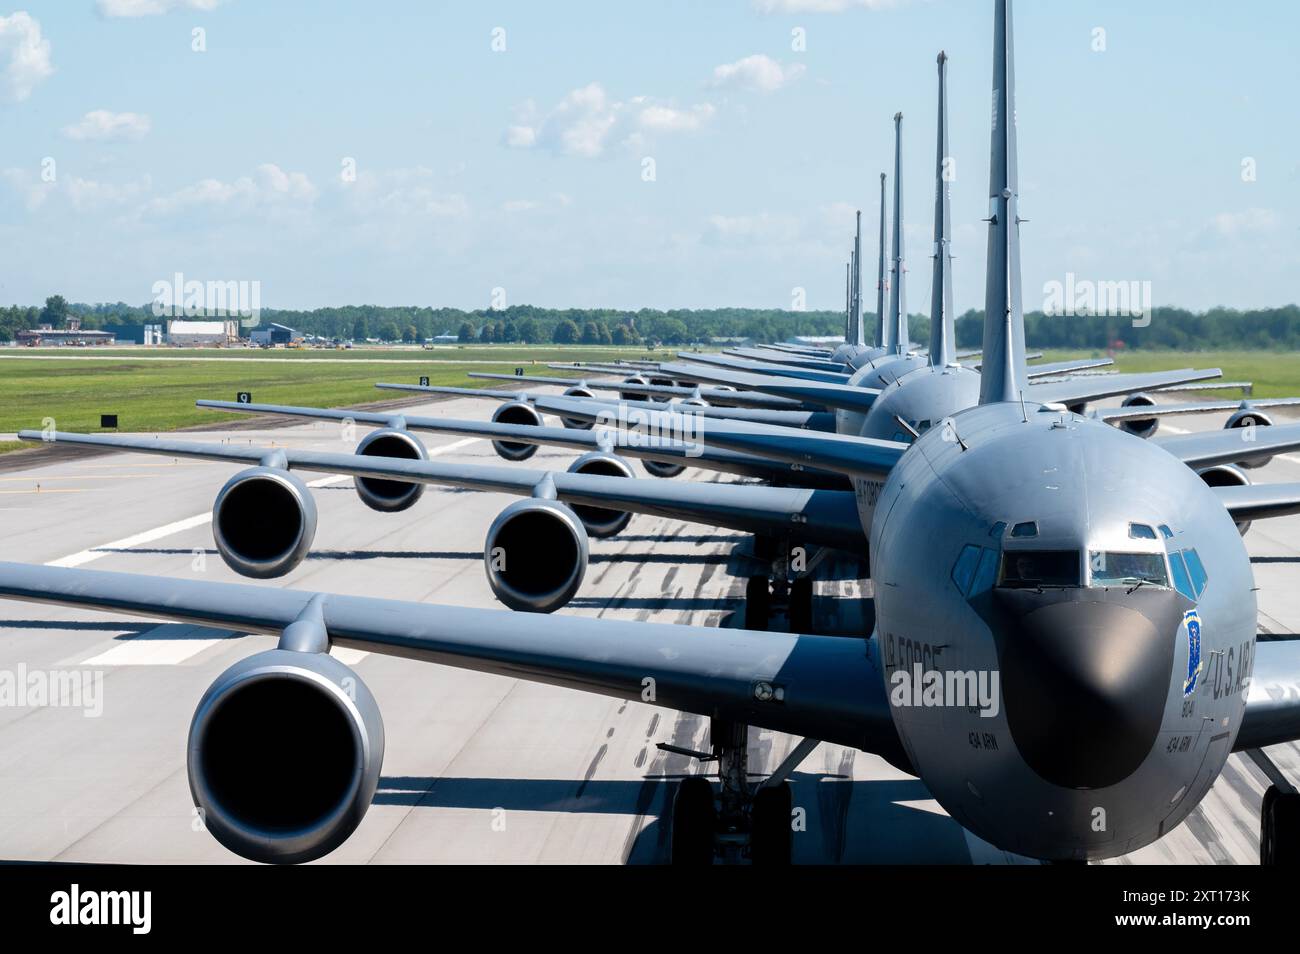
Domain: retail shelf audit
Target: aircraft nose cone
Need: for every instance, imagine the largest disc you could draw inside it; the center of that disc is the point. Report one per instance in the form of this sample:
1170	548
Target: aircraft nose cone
1085	677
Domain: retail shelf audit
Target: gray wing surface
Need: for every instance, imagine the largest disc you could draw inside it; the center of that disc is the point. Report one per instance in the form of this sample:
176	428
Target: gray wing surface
831	688
761	367
1273	699
1094	388
1260	501
1232	446
1195	407
853	456
828	517
828	394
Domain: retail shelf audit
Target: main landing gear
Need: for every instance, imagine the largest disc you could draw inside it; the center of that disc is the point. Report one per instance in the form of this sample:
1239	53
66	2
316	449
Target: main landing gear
1279	816
737	821
774	592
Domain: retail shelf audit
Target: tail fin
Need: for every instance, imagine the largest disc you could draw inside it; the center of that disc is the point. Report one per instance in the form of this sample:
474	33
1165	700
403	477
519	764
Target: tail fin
896	332
857	282
1002	371
848	302
880	273
943	332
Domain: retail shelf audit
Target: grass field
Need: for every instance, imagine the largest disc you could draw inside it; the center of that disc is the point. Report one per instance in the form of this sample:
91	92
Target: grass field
155	390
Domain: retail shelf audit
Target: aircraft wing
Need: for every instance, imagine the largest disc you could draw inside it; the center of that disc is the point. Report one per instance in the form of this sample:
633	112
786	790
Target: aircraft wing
1259	501
1273	700
718	459
825	393
1064	367
761	367
1196	407
828	517
712	395
1094	388
853	456
799	361
1248	444
824	687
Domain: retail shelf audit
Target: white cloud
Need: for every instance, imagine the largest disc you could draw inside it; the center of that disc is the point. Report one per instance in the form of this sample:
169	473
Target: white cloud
84	195
151	8
25	55
822	6
406	192
587	120
102	125
762	228
1245	222
271	187
756	72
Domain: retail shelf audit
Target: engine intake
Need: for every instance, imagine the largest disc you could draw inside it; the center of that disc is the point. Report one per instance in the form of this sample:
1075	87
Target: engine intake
389	496
1228	475
1249	417
628	395
572	422
263	522
284	755
536	555
516	412
1143	427
601	522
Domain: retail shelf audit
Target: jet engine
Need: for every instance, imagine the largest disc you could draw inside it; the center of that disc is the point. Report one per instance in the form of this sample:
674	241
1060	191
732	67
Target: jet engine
627	396
536	555
659	468
578	391
601	522
516	412
1143	427
263	522
1248	417
389	496
284	755
1228	475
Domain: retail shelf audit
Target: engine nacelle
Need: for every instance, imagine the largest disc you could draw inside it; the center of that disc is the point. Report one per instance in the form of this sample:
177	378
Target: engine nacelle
661	383
284	755
579	392
516	412
536	555
601	522
660	468
389	496
1228	475
629	396
263	522
1248	417
1143	427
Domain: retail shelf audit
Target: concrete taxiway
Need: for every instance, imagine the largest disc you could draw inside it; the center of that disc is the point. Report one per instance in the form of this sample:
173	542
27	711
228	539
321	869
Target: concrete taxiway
478	768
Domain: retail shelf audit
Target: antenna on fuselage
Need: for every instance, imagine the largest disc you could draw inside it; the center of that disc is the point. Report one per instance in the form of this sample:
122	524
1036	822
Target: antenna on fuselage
896	331
943	331
1002	369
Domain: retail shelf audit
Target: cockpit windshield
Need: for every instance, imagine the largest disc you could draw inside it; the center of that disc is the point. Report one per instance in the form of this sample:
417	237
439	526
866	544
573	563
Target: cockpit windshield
1034	568
1116	569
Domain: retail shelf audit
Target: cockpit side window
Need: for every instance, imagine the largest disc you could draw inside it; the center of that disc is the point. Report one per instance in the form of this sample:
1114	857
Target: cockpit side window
1115	568
1034	568
963	570
1182	581
1196	570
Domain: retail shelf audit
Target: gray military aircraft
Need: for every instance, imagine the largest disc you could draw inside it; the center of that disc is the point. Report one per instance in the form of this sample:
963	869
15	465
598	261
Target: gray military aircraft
1100	580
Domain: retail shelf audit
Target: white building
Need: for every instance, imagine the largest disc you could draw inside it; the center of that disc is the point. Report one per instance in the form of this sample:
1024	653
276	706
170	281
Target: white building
202	333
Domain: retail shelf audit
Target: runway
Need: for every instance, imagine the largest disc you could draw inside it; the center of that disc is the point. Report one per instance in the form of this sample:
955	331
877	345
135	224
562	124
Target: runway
478	768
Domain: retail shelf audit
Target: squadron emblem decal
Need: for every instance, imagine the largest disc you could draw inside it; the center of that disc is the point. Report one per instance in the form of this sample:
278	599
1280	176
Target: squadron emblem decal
1192	620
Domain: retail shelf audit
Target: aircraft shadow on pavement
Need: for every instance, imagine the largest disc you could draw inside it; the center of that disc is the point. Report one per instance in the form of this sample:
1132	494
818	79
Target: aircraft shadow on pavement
127	630
847	822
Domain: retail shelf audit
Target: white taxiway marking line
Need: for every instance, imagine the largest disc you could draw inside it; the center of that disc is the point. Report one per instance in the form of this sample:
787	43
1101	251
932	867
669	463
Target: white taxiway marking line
155	651
180	643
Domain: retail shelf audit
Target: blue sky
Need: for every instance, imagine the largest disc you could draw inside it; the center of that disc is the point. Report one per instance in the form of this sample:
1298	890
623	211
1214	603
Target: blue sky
522	169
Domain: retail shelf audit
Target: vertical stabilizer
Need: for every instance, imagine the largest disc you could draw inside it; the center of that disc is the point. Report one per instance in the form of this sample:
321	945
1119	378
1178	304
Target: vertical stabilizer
1002	369
848	302
943	331
857	281
880	272
896	332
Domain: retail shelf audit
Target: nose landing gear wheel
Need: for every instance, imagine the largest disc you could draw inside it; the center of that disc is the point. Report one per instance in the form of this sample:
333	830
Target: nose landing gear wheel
694	818
1279	835
770	832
